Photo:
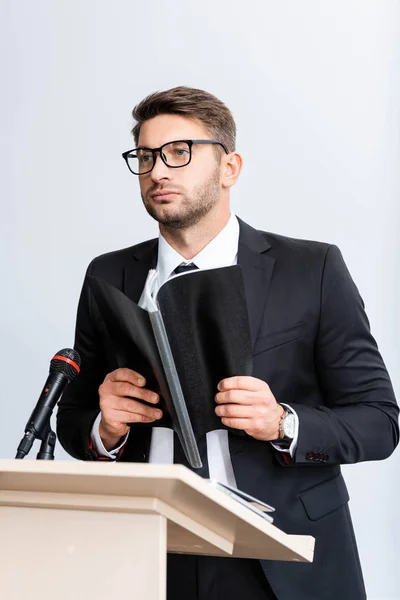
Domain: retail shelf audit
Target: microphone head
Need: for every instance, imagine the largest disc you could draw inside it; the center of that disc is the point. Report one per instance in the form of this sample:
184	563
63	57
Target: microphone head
66	361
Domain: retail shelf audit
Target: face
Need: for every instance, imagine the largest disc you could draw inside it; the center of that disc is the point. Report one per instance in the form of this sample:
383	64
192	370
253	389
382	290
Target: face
180	198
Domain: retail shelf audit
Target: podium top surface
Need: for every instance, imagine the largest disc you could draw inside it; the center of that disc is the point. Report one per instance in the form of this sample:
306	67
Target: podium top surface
169	483
172	489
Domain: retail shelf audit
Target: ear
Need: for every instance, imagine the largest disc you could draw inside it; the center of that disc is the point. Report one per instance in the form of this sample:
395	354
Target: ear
230	169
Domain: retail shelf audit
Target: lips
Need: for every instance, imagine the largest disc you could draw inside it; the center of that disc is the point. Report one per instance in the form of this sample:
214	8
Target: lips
163	195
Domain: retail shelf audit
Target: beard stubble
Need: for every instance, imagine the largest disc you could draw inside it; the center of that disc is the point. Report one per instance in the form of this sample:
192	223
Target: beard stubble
191	210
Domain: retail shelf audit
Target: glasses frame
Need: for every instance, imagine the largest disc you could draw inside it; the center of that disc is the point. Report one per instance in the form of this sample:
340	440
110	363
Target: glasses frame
190	143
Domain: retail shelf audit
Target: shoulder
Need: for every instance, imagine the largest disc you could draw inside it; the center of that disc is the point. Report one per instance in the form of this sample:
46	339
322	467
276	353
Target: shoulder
260	240
308	257
119	259
297	257
295	246
282	246
305	256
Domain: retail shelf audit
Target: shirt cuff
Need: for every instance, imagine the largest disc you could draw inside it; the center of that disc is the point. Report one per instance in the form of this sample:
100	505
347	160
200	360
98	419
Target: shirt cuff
292	448
98	446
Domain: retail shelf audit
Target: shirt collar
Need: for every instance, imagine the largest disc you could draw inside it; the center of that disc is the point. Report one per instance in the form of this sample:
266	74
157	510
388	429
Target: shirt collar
220	252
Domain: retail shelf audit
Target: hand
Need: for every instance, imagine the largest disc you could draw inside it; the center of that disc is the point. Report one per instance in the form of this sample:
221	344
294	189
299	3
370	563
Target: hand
247	403
119	406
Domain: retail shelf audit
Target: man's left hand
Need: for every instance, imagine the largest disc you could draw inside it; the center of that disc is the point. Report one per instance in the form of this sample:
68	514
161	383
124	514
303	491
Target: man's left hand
247	403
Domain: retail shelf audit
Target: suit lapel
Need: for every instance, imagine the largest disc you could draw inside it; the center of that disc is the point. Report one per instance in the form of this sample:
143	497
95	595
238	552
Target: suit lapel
135	273
257	269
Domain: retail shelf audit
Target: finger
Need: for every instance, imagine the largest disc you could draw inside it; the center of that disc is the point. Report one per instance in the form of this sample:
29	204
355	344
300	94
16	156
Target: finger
236	397
127	375
237	411
135	407
237	423
241	382
122	388
129	417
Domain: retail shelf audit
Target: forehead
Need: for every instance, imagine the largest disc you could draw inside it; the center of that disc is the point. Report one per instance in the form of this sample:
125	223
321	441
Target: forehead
167	128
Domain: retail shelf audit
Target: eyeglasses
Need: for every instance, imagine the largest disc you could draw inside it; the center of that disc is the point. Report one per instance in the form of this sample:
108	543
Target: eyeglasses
173	154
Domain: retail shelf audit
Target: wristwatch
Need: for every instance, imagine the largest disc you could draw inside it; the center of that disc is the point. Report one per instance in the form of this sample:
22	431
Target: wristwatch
287	427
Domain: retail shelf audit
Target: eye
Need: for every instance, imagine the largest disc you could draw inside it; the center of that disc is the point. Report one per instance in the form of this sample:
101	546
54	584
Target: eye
145	158
181	151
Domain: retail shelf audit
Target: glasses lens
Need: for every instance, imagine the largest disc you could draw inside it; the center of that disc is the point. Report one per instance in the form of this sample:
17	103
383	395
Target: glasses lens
140	161
176	154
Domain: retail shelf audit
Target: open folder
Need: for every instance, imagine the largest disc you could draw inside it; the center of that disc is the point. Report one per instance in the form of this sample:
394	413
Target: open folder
195	334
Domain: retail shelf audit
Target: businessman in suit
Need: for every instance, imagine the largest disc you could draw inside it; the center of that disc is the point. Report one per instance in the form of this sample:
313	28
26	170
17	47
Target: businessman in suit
320	395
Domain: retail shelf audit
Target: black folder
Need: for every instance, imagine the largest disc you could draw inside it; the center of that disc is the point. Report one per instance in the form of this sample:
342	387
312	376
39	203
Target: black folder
196	334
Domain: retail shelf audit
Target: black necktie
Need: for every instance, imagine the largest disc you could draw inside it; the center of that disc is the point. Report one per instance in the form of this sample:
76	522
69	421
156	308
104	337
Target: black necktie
183	267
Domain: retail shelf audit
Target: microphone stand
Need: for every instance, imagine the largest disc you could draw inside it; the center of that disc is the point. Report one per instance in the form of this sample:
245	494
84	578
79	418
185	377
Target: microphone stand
46	451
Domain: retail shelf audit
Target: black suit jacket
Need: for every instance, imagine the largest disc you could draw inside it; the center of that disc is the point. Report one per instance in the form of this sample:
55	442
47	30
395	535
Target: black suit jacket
312	345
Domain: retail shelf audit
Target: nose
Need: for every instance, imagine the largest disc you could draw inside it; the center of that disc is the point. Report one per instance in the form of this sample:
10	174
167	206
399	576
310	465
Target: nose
160	170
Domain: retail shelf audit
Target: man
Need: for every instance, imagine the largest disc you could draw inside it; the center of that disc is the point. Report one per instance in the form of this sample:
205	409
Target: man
319	397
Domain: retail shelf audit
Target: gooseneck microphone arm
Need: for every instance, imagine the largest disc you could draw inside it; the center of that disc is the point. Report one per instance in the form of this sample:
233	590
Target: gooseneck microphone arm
64	366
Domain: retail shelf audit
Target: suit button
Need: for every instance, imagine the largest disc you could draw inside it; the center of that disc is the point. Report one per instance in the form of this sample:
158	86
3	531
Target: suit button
326	457
310	456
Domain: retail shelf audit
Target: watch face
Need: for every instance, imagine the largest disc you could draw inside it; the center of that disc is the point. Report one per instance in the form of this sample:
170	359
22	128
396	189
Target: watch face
288	426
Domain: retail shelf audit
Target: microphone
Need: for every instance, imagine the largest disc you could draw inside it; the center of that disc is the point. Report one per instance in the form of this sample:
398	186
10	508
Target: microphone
64	366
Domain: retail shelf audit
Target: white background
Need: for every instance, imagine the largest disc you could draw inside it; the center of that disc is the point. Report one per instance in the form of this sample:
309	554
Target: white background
314	88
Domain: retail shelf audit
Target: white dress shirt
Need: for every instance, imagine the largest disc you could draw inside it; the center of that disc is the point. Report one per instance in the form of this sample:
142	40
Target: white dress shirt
220	252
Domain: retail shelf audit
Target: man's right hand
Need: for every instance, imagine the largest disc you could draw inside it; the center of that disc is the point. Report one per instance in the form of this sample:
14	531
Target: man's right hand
119	404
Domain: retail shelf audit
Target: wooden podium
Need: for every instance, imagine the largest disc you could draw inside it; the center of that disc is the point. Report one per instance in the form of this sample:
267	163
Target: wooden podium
79	530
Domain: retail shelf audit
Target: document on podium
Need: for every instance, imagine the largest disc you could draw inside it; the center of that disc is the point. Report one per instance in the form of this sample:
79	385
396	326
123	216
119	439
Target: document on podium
258	506
196	334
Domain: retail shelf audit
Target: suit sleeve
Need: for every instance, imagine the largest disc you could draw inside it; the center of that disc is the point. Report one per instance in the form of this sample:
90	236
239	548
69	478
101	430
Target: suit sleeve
359	418
79	405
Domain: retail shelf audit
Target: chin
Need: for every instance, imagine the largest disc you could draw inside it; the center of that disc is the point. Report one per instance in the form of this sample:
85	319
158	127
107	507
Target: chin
163	213
174	221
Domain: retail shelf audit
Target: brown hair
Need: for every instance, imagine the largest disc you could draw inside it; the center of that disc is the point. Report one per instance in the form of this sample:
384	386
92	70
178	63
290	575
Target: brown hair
190	103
